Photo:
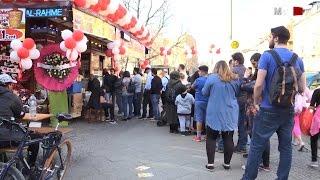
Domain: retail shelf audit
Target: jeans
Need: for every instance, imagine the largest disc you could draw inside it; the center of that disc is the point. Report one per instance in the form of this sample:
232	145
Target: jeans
109	108
212	136
119	102
155	99
242	133
184	121
271	121
137	103
127	100
146	102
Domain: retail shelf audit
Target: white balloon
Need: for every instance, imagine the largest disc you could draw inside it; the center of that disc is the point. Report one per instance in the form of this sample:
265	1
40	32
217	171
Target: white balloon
72	55
26	63
93	2
117	57
84	40
63	46
125	20
165	52
34	54
189	56
117	44
14	56
115	51
136	28
16	44
81	47
113	6
110	45
65	34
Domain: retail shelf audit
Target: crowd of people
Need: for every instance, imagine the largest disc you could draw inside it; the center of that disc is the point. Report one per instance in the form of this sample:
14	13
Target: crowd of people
258	101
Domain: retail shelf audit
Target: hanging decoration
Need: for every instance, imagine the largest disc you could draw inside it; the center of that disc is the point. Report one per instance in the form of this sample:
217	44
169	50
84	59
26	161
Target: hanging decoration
165	51
53	70
116	49
74	44
190	51
214	49
144	64
116	13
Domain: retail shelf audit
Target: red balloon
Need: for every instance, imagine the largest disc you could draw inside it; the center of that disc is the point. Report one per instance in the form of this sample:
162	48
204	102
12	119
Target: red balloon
28	43
23	53
161	53
112	18
121	12
77	35
109	53
194	51
122	50
139	33
146	37
80	3
162	49
95	8
133	22
70	43
218	51
146	62
169	52
104	4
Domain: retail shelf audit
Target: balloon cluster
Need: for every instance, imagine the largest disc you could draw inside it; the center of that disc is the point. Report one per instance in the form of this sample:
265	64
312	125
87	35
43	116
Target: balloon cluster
115	49
165	51
144	64
23	52
74	43
214	49
190	51
116	13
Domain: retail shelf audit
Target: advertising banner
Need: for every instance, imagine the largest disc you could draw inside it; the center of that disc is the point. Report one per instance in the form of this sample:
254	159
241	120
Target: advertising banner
12	24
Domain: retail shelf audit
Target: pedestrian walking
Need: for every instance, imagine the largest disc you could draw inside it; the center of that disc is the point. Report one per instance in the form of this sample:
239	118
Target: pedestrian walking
156	88
184	102
276	67
201	101
127	96
137	80
222	111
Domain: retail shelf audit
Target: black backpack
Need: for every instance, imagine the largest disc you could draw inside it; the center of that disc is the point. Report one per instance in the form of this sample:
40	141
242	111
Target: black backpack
284	84
131	87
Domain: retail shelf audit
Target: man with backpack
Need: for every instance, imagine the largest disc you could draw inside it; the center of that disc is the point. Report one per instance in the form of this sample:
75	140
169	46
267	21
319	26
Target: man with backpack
280	77
156	88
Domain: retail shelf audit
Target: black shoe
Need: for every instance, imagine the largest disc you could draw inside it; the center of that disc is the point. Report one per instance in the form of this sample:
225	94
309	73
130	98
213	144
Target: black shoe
220	150
124	119
245	155
150	117
240	151
226	166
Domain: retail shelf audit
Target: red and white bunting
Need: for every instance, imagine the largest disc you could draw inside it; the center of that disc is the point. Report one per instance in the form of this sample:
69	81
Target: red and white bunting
115	12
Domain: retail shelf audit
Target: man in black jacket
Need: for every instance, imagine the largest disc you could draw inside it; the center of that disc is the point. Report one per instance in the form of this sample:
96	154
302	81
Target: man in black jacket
156	87
11	106
109	81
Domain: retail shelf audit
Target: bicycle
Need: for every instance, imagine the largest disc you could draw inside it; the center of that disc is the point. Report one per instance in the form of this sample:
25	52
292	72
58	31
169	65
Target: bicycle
55	159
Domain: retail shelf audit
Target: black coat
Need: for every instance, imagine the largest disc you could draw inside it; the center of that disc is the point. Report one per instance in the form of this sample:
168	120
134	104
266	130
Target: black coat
156	85
109	83
96	92
10	104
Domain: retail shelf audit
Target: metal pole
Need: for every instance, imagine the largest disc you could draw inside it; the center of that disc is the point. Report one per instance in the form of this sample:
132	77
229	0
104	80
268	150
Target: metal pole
231	19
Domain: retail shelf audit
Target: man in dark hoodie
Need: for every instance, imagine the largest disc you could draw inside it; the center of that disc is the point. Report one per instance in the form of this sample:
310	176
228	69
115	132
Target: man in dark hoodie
11	106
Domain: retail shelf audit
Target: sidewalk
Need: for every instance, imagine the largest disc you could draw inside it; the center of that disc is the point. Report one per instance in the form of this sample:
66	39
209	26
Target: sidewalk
103	151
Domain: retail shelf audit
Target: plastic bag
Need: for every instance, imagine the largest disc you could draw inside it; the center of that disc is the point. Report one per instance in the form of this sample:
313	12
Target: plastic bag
306	118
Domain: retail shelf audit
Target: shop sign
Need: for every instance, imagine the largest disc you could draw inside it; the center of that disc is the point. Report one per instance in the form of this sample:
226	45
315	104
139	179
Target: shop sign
11	34
92	25
44	12
12	24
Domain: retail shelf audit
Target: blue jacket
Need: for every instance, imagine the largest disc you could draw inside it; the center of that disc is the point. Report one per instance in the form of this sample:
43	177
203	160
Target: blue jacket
223	108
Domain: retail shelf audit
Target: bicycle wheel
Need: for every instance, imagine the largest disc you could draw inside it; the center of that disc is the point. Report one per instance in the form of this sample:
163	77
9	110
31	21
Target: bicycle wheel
56	165
12	174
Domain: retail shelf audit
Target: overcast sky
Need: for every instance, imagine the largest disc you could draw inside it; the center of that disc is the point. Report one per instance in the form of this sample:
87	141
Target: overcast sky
209	21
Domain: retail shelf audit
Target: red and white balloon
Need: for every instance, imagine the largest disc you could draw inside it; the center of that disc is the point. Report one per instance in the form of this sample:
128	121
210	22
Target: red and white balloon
116	49
164	51
115	12
190	51
24	52
214	49
74	43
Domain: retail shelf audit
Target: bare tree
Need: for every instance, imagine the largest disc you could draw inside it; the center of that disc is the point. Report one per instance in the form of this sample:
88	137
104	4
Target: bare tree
153	15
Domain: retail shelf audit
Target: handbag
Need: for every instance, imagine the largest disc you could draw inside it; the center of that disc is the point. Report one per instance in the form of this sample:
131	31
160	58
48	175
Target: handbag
306	118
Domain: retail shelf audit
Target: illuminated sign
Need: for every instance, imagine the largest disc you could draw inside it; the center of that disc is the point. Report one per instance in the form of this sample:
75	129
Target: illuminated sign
44	12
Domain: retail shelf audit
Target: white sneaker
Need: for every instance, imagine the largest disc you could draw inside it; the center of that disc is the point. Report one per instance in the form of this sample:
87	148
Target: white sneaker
314	164
243	167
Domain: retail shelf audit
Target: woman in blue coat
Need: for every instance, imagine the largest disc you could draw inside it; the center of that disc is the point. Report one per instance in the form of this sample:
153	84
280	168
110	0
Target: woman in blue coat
222	111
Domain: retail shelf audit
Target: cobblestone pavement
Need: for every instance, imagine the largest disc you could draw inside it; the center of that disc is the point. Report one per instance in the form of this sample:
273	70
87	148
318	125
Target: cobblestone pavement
113	152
